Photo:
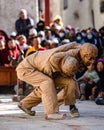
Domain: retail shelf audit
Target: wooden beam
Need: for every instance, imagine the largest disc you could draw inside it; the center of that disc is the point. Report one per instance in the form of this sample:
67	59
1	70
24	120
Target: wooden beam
47	12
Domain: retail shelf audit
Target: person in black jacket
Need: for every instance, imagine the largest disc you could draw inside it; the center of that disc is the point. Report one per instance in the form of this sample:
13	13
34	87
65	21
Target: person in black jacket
24	23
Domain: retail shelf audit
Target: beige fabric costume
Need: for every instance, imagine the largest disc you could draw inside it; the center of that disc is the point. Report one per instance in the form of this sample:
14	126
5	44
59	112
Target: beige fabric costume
40	70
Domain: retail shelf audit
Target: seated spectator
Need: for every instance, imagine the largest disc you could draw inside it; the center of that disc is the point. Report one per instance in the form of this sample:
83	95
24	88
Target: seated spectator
48	33
15	57
72	35
32	33
56	32
2	45
62	34
90	37
65	41
87	81
57	21
46	44
22	44
4	61
3	54
101	35
54	43
4	36
84	34
14	53
40	25
100	85
35	46
41	35
79	38
13	35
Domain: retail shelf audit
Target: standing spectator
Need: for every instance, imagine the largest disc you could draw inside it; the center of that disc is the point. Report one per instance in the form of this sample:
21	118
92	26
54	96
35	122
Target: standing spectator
24	23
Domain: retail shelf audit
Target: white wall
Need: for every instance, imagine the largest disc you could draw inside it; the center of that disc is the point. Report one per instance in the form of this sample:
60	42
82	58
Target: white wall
78	14
55	8
99	17
84	10
9	10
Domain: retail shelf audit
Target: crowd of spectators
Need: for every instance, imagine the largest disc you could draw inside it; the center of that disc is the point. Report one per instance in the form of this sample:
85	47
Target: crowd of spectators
29	38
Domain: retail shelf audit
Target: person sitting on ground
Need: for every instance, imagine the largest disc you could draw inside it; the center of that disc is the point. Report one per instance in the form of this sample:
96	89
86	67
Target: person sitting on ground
45	70
100	85
87	81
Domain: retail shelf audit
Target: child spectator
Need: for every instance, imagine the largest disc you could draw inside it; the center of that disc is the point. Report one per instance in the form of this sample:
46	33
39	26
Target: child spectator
100	85
14	56
87	81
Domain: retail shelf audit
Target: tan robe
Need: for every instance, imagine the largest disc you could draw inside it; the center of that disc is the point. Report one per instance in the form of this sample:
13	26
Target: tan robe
38	69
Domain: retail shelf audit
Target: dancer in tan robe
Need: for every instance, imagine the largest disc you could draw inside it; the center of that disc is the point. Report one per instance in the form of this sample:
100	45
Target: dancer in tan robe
48	69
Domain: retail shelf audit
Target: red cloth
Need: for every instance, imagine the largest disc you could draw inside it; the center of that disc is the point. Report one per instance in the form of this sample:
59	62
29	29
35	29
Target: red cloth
4	56
14	52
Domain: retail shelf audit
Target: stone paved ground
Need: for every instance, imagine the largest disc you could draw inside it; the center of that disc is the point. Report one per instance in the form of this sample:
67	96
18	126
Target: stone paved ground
12	118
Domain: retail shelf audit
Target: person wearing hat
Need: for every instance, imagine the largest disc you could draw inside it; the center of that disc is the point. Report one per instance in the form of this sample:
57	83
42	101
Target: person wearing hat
49	69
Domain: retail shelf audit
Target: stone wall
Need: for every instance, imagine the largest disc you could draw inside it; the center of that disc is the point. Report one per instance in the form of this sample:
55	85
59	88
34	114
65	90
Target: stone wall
99	17
9	10
83	14
78	13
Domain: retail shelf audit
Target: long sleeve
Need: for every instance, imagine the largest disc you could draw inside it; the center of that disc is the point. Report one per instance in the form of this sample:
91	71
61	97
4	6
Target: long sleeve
91	75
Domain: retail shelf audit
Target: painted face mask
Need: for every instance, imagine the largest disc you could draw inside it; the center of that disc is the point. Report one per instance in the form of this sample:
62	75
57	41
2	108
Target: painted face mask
88	53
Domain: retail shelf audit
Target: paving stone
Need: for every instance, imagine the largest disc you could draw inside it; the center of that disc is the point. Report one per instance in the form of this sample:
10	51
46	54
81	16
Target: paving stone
12	118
